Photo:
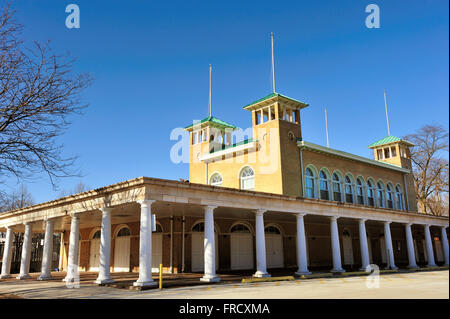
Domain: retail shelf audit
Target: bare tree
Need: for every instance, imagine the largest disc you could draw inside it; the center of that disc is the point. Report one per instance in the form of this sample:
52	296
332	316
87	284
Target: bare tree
430	168
38	93
79	188
17	199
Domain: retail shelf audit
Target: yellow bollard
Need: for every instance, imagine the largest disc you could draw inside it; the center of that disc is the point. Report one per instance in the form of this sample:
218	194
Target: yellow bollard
160	276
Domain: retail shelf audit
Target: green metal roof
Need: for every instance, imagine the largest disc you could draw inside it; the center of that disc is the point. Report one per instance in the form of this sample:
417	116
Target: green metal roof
225	147
387	140
213	120
274	94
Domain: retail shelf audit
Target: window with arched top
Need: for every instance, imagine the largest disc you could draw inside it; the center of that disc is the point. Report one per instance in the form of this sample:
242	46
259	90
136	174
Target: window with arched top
239	228
359	191
389	196
124	232
337	193
158	229
97	234
370	193
215	180
324	189
247	178
380	194
348	189
199	227
310	183
272	230
398	198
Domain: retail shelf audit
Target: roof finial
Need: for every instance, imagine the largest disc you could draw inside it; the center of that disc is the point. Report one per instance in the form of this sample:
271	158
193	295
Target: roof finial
210	104
273	64
326	127
387	116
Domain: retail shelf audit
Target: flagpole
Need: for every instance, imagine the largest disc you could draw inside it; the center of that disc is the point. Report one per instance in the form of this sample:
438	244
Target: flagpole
210	104
273	64
387	116
326	127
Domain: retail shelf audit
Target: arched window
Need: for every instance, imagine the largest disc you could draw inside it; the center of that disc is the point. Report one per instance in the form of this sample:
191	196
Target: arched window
123	232
324	191
272	230
348	189
360	191
247	178
97	234
380	194
389	196
215	180
158	229
199	227
239	228
398	198
310	183
370	193
337	193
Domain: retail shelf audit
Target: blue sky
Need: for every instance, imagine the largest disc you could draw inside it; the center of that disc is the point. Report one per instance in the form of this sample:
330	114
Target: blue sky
150	63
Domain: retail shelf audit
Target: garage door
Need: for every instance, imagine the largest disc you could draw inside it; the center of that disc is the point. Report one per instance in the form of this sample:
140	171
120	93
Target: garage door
274	247
198	250
94	258
241	245
122	251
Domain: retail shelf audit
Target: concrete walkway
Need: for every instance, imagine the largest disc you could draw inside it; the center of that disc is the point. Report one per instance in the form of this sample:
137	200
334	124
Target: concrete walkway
420	285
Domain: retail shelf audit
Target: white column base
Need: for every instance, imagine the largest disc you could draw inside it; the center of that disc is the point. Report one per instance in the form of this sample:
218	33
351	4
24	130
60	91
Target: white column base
144	283
302	273
337	270
99	281
5	276
260	274
413	267
210	279
23	276
45	277
432	265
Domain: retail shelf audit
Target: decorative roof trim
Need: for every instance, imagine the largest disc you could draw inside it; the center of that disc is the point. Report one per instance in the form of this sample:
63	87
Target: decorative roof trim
330	151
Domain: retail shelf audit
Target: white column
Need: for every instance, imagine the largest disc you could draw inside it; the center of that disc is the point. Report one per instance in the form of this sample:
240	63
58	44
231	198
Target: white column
145	246
444	245
302	259
104	276
26	253
209	247
74	241
48	251
388	243
335	246
365	260
410	247
429	245
261	263
6	264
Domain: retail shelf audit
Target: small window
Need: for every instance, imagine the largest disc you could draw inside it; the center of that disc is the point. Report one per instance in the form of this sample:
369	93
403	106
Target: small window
216	180
393	151
123	232
348	189
239	228
380	194
337	188
398	198
389	196
158	229
194	138
97	234
247	178
370	194
199	228
272	230
360	191
386	153
324	191
379	154
310	183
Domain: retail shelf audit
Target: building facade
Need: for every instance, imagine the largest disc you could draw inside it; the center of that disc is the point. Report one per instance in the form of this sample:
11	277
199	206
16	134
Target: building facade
272	201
